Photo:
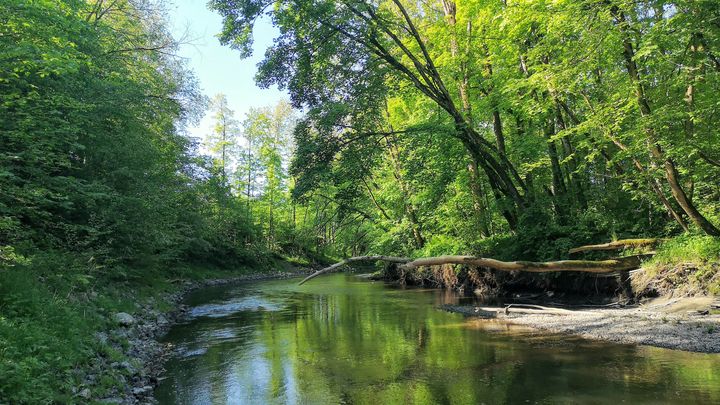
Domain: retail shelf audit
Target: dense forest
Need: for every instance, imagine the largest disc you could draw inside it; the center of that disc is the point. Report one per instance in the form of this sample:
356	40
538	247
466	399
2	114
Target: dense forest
507	129
449	127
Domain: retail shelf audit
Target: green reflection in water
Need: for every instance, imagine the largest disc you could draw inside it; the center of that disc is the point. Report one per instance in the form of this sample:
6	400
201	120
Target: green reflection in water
341	339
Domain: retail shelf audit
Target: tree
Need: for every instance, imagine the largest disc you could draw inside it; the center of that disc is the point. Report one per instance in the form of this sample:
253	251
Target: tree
222	141
334	54
542	97
267	132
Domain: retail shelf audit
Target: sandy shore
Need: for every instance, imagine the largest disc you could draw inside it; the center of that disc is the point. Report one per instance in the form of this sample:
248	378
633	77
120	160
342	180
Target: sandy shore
684	324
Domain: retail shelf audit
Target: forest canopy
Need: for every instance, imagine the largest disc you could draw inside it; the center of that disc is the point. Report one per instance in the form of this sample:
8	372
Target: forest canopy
447	127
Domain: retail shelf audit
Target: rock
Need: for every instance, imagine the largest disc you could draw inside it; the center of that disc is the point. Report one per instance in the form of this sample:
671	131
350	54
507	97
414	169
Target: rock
111	401
102	337
120	333
127	366
85	393
142	390
124	319
162	320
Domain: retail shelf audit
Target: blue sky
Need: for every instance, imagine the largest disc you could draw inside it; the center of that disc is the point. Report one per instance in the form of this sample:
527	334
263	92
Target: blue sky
219	68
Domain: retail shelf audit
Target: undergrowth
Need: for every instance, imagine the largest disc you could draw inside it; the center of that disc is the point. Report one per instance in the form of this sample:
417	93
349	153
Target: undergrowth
687	264
51	307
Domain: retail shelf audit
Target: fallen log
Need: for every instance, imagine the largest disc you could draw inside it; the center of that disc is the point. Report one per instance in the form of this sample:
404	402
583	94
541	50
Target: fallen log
587	266
390	259
616	245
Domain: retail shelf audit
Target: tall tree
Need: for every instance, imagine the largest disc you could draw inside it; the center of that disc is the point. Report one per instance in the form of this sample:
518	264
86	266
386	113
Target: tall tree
222	141
268	137
342	52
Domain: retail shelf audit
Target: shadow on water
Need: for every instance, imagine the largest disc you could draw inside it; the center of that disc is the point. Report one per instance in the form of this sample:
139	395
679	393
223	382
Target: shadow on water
341	339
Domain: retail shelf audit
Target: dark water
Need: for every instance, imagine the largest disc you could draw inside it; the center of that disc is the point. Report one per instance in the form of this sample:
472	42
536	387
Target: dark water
343	340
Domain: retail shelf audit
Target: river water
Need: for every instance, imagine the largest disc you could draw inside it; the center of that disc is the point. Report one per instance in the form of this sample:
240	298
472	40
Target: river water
341	339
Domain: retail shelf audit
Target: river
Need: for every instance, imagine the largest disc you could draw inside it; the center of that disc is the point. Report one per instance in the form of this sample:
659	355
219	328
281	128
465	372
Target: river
341	339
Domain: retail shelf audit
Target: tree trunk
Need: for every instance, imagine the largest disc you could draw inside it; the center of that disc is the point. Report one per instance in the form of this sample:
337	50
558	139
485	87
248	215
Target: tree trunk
615	245
653	182
557	177
410	211
478	199
574	180
390	259
656	152
463	81
498	131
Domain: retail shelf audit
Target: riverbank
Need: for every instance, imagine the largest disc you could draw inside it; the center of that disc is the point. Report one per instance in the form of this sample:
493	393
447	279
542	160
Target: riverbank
137	335
73	332
690	324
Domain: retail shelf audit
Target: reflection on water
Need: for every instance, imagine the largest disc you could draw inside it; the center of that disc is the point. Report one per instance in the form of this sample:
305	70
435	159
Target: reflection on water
344	340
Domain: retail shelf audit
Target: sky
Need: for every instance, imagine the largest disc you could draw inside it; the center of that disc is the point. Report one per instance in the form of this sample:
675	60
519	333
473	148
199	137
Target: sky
218	68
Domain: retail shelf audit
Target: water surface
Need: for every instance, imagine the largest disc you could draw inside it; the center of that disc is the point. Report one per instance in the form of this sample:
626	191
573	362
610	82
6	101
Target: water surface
343	340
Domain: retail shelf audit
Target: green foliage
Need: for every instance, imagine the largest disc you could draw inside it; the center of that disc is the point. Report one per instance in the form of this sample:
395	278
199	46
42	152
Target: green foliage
101	191
512	131
443	245
43	335
600	114
688	248
52	307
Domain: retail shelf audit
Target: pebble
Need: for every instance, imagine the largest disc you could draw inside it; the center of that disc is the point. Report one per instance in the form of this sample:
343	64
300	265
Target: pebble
690	332
127	366
162	320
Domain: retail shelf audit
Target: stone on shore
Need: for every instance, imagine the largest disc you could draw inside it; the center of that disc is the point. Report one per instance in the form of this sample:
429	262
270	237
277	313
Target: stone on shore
124	319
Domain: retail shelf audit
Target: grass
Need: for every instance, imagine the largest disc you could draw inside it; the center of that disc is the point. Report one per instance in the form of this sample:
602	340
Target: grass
688	248
688	263
45	335
51	307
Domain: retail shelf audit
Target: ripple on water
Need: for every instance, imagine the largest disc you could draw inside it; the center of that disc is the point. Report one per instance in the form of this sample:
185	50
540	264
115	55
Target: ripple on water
219	310
185	352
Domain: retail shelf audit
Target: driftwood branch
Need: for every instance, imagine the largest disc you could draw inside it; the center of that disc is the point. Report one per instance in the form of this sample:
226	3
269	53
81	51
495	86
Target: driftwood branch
587	266
615	245
534	309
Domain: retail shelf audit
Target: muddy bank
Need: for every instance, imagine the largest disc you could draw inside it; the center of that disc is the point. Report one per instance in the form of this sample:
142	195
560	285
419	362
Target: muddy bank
137	337
690	324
